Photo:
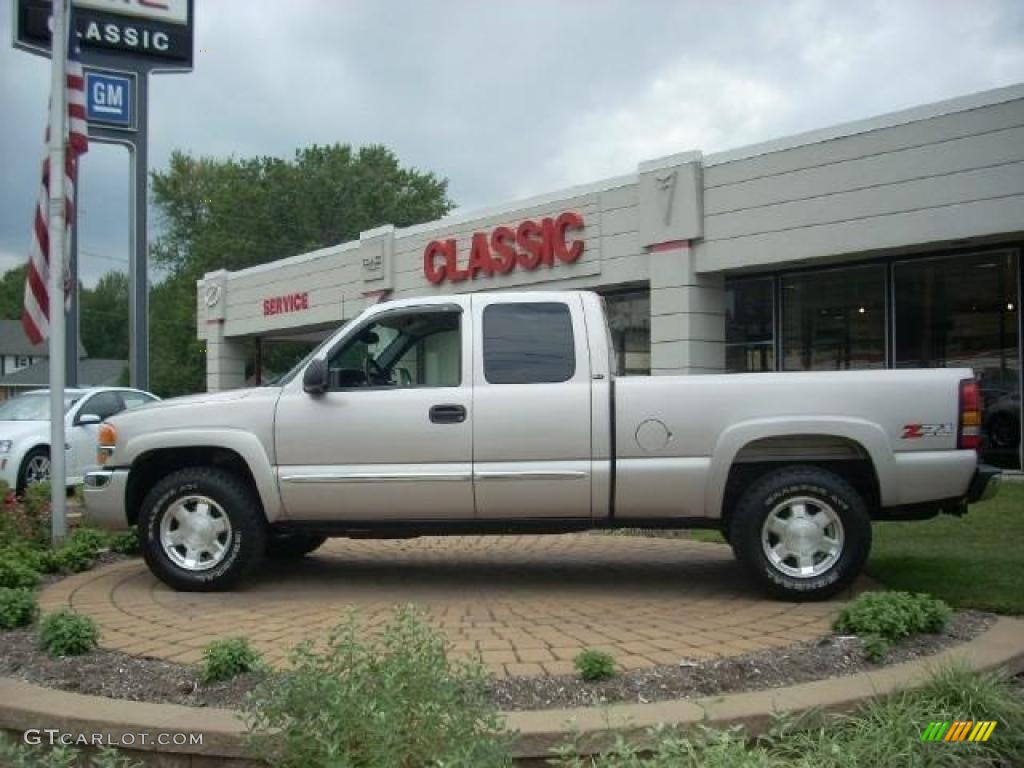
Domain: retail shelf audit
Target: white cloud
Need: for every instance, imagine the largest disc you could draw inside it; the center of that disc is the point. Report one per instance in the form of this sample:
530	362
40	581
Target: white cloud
704	107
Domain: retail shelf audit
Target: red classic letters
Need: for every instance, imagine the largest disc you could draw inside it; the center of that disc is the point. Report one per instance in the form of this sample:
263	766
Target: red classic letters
529	246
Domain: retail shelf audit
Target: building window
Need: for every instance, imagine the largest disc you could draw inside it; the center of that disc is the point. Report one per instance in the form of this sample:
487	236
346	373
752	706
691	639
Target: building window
750	325
834	319
629	322
963	312
528	343
21	362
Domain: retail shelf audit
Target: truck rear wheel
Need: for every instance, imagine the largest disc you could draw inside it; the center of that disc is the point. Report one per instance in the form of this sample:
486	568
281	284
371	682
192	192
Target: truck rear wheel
803	532
201	530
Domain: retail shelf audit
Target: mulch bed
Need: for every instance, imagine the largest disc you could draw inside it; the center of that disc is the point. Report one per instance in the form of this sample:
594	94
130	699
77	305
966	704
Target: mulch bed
118	675
831	656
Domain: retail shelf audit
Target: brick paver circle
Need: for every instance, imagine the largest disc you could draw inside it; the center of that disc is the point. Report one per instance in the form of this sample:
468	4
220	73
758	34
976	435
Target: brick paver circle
526	604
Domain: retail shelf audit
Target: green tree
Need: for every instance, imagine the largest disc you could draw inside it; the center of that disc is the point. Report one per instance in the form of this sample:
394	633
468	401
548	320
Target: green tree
103	317
236	213
12	293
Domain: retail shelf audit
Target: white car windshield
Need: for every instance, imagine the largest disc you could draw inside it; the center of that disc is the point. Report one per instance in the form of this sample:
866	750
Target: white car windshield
34	407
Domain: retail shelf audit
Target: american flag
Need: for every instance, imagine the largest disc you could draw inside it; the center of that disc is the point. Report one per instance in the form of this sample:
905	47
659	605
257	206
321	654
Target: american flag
36	313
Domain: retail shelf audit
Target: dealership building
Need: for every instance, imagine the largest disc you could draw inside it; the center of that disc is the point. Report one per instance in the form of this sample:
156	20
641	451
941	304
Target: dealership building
890	242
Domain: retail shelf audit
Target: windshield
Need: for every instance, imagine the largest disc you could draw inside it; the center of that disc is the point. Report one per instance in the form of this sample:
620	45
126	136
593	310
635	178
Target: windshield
34	407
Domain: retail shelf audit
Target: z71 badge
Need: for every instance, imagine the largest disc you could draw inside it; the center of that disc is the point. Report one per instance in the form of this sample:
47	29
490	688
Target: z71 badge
914	431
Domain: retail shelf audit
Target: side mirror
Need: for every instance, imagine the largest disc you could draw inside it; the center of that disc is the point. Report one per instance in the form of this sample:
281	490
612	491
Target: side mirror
314	380
88	418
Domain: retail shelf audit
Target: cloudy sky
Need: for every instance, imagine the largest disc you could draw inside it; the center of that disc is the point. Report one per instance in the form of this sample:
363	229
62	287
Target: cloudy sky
515	97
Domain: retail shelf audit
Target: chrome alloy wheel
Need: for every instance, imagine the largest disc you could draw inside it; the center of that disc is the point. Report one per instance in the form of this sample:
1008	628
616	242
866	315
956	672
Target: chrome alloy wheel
802	537
38	469
195	533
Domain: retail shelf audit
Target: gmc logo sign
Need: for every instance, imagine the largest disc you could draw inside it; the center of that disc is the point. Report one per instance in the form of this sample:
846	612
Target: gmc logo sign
529	246
292	302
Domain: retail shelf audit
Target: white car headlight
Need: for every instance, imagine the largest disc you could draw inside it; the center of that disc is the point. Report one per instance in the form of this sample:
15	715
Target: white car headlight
5	446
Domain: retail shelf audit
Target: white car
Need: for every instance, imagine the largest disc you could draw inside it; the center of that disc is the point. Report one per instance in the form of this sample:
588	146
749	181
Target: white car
25	431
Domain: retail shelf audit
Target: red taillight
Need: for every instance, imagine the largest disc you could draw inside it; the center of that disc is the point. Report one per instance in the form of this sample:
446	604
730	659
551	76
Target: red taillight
968	436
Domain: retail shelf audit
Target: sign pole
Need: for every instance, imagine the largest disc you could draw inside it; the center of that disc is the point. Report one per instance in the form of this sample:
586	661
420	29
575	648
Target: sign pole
72	319
138	277
55	279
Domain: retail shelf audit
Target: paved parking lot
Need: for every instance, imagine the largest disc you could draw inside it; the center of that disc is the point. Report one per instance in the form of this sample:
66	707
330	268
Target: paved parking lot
527	604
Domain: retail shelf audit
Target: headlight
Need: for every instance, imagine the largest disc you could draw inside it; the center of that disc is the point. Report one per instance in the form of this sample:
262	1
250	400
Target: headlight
5	446
106	438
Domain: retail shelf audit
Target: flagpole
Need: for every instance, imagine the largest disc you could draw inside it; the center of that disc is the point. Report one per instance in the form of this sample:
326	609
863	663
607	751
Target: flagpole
55	279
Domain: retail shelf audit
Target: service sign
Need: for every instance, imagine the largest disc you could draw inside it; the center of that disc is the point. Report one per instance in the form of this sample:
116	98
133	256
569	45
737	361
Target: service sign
158	32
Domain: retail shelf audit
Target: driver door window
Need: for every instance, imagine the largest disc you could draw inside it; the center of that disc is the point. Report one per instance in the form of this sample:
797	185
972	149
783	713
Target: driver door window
416	349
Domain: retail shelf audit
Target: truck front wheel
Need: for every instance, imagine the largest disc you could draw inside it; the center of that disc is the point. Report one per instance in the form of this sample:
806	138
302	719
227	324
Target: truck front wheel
803	532
201	530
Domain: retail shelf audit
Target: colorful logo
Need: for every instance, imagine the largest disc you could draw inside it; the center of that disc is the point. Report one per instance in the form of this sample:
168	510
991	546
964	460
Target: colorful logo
958	730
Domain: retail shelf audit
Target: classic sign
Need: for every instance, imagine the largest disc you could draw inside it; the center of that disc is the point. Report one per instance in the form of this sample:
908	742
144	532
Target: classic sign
157	30
529	246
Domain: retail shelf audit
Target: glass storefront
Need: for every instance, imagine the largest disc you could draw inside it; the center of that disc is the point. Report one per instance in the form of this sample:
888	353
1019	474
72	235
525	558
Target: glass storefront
834	320
750	326
629	320
959	310
962	312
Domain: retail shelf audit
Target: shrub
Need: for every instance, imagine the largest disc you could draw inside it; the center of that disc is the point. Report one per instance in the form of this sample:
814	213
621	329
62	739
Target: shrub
594	665
21	525
67	634
893	615
126	542
391	699
32	557
875	647
75	557
225	659
15	573
17	607
89	538
18	755
36	508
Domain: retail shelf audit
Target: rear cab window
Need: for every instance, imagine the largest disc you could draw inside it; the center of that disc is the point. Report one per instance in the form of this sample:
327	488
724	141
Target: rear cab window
528	343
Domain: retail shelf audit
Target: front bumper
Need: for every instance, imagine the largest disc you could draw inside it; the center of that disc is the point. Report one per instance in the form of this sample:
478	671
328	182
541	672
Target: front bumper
985	484
104	495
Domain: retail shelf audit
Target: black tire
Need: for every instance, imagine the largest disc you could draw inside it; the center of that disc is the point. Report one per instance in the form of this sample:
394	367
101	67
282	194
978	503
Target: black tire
244	546
23	470
292	546
823	490
1004	431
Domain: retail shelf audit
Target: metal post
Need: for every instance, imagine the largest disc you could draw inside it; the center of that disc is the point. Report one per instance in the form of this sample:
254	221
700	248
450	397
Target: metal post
138	279
72	327
58	118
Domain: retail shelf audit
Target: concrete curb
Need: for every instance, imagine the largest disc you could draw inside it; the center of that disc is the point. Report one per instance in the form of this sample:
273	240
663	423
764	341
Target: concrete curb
26	706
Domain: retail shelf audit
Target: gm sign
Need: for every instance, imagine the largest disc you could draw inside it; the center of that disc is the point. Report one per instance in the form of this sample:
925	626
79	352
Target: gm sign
110	99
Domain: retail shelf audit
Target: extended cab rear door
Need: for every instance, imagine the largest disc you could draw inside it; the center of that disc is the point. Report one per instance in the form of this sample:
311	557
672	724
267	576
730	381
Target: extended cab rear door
531	407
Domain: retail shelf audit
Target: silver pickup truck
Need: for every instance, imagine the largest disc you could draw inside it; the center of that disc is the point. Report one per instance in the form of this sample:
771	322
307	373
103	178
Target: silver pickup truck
500	413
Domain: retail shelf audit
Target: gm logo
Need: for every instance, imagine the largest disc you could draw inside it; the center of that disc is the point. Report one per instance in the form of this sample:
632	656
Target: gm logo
110	99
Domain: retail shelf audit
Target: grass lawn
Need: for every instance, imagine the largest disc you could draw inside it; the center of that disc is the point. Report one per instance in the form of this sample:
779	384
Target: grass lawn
975	561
